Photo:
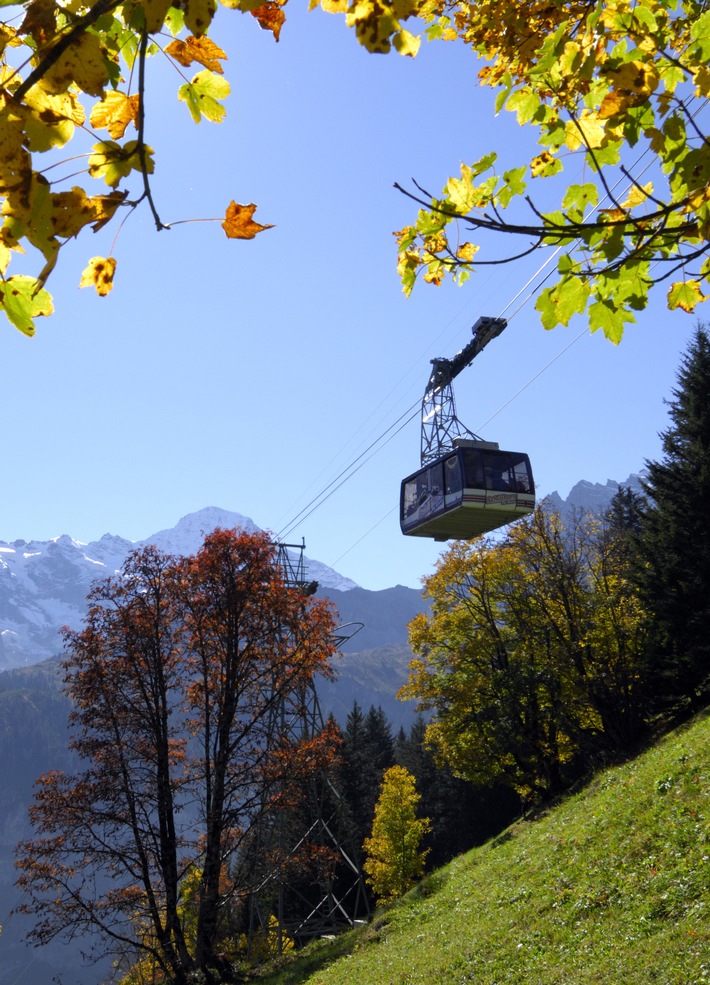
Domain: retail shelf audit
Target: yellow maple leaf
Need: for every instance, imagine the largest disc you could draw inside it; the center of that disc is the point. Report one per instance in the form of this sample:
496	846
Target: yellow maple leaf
115	111
540	165
406	43
105	206
83	63
331	6
11	133
702	81
155	12
99	274
614	103
586	129
198	15
639	78
73	210
466	252
637	195
238	222
201	50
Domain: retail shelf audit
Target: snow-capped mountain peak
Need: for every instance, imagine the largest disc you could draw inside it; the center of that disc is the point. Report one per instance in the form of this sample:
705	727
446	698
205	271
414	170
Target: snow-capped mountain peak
44	584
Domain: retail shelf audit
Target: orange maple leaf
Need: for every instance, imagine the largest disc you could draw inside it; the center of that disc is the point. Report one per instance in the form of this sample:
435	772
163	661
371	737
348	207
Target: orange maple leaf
238	222
270	17
201	50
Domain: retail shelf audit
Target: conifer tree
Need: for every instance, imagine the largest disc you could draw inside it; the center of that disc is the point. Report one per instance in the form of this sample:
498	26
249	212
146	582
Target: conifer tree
368	750
674	576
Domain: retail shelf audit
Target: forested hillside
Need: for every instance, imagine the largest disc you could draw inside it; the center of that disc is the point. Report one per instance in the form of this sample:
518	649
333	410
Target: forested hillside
611	885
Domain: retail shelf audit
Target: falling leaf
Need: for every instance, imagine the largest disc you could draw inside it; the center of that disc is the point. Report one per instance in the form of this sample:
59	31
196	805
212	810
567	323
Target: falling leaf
238	222
99	274
201	50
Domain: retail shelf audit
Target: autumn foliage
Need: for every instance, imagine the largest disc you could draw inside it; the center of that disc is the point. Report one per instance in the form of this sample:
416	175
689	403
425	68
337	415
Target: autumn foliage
72	70
178	682
616	92
531	656
395	860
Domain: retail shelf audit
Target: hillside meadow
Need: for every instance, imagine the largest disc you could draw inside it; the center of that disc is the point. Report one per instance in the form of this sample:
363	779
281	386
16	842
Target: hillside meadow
609	887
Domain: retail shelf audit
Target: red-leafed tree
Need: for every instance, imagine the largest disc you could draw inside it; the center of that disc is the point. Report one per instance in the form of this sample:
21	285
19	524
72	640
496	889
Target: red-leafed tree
177	681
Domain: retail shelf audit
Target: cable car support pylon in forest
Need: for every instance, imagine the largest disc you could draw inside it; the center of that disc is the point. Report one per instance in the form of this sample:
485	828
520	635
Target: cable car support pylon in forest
465	486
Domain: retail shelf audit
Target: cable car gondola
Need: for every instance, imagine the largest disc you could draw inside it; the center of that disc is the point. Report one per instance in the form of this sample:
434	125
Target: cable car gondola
465	486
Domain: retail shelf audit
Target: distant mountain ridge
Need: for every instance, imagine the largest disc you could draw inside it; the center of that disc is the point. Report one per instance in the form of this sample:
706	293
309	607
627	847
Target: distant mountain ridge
44	584
594	497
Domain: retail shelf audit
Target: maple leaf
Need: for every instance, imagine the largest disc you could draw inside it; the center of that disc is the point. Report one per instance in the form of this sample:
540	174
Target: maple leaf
238	222
83	63
113	162
155	12
685	295
201	50
270	17
198	15
99	274
585	130
51	119
202	94
40	21
115	111
637	195
22	302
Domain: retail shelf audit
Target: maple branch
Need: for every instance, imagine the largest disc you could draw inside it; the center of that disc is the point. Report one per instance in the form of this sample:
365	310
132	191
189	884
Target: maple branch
147	194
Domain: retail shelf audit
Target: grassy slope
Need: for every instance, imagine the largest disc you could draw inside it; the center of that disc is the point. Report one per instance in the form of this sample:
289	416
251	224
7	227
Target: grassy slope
611	887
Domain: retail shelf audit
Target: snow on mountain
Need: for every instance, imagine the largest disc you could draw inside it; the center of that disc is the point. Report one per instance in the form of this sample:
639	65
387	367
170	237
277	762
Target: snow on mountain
187	535
44	584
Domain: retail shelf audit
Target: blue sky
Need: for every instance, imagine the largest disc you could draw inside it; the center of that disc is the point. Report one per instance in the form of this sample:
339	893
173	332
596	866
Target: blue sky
247	375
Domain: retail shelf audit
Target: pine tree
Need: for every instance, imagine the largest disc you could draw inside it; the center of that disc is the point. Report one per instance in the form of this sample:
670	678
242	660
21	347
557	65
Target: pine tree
674	545
368	750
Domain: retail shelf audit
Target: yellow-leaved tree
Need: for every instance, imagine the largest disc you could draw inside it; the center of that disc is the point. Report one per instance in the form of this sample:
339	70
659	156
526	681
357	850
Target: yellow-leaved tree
72	68
395	859
616	91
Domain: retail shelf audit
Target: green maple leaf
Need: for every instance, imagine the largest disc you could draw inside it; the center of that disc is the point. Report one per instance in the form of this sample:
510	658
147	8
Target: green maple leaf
610	318
685	295
202	96
112	162
22	302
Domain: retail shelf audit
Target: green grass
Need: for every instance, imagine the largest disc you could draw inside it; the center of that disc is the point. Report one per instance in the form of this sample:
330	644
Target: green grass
611	887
